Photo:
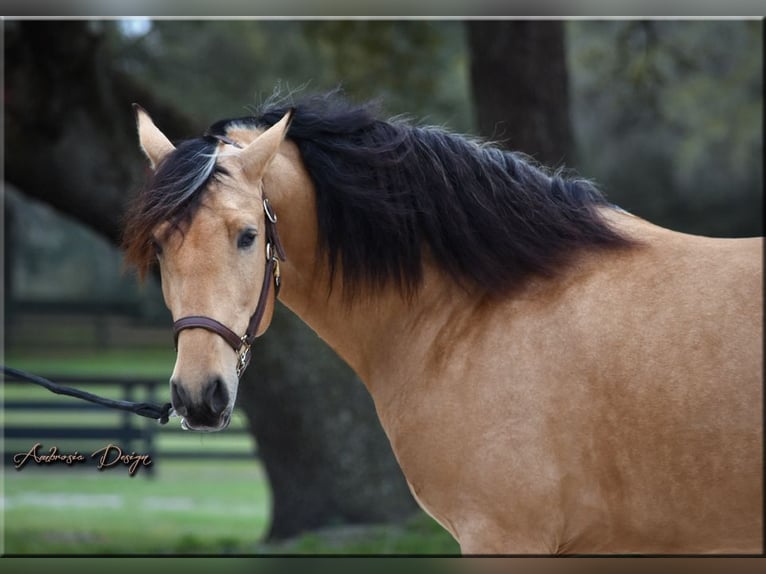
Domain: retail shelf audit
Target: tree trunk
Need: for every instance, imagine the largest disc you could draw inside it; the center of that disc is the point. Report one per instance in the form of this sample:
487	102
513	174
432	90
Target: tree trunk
69	124
520	89
72	143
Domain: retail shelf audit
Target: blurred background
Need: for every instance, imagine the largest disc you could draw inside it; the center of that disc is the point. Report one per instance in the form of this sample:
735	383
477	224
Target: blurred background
665	116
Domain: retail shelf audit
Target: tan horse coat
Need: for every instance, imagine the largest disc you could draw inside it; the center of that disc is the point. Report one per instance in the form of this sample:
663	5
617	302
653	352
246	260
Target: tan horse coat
615	409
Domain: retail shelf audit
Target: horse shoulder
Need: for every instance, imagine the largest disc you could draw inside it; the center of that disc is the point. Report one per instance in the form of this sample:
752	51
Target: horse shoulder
523	423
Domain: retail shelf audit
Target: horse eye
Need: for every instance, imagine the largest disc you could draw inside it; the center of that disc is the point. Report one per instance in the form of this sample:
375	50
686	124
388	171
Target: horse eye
246	239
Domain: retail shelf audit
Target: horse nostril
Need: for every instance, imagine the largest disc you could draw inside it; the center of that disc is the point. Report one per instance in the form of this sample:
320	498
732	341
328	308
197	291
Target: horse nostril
217	396
178	398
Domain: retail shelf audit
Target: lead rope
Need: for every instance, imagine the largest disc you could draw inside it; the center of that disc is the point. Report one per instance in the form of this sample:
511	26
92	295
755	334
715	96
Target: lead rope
149	410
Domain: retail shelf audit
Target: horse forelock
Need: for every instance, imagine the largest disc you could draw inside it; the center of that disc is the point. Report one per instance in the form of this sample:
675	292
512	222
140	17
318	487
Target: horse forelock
171	195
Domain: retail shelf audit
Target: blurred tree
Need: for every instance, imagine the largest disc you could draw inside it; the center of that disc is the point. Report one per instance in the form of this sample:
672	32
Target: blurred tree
73	136
69	117
520	86
669	118
416	68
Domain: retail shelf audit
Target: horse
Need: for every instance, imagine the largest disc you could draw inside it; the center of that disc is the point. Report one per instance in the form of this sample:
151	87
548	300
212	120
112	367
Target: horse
554	374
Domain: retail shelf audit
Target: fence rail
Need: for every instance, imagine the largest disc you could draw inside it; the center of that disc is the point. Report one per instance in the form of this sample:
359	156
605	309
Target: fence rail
130	432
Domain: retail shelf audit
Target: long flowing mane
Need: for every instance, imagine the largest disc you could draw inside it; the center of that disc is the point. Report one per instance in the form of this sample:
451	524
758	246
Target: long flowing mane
389	194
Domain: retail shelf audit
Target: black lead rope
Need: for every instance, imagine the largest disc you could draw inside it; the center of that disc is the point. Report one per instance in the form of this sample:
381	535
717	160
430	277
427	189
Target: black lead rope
149	410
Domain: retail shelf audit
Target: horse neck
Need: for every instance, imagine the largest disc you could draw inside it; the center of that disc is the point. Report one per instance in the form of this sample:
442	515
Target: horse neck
366	332
377	328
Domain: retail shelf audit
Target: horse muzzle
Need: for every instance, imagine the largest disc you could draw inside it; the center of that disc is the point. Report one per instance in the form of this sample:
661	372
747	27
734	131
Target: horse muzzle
209	412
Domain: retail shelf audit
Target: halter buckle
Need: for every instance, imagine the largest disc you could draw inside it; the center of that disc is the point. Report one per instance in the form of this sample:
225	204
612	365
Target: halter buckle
243	356
277	279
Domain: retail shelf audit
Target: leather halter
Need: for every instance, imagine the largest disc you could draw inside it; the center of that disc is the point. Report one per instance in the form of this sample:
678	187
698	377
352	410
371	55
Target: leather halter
241	345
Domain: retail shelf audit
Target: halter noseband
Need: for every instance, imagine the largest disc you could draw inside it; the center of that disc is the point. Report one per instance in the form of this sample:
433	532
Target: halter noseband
241	345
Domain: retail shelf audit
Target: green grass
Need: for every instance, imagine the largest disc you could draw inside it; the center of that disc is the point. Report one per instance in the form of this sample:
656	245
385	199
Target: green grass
419	535
113	362
187	508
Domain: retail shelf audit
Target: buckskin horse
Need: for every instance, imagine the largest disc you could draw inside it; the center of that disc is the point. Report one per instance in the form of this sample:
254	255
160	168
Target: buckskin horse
554	374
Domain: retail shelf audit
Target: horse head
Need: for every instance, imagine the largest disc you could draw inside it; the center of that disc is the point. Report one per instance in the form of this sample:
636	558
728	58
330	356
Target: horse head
213	233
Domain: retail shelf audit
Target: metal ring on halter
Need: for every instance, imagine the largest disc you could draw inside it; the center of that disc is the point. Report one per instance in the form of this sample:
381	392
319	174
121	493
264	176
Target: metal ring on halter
269	213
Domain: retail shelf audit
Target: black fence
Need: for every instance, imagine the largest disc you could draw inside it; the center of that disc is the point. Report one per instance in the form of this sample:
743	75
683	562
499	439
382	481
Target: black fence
34	415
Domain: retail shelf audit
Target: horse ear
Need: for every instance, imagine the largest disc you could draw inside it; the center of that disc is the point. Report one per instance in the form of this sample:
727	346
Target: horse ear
257	156
153	142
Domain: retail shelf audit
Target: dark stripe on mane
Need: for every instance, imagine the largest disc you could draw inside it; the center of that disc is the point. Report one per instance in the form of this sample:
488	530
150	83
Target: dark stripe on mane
387	191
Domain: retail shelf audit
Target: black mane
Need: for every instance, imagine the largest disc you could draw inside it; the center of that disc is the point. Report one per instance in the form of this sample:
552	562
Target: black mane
388	193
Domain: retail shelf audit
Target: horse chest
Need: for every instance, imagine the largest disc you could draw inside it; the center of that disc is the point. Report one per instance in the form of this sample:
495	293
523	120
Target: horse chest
459	448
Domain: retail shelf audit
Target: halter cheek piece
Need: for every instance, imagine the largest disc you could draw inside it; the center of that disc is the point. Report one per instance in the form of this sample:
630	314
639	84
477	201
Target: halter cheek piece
241	345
